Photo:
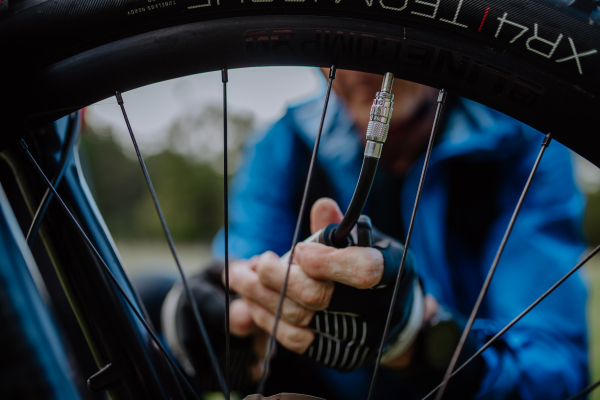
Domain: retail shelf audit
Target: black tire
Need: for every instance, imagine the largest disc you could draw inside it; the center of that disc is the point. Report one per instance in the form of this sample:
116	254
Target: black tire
65	55
62	56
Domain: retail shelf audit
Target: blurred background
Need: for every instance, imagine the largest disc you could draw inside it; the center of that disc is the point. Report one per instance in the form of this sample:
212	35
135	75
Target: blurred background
179	127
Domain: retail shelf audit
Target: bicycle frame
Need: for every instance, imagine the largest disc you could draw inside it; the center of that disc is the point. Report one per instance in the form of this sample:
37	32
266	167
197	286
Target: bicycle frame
131	366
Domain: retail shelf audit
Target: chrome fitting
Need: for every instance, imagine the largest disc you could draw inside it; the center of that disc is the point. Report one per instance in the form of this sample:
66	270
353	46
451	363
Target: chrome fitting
373	149
381	113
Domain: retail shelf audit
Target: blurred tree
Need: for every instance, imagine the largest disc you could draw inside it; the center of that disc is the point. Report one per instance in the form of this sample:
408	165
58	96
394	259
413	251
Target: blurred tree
199	136
186	174
588	179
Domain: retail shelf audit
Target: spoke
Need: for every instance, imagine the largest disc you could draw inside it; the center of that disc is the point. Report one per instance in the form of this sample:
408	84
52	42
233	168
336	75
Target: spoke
488	279
41	210
188	292
441	99
172	364
585	391
272	337
518	317
224	78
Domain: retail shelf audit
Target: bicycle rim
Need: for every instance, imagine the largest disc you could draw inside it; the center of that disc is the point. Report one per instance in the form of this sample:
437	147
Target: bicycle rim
497	77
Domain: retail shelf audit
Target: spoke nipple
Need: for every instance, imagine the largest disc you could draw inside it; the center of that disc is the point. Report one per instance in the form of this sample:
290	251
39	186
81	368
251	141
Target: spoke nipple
119	97
332	72
224	75
442	96
547	140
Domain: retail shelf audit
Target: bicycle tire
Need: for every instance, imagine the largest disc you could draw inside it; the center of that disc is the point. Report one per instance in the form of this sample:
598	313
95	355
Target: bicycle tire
71	54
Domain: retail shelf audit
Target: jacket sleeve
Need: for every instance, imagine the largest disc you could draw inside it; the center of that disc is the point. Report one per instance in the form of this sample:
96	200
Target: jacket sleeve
260	215
544	356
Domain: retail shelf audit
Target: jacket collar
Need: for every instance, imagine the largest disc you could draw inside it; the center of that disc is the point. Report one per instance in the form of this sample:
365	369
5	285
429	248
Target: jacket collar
470	129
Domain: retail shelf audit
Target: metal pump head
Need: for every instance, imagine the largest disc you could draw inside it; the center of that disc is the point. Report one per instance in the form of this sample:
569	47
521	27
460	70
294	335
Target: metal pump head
388	81
380	116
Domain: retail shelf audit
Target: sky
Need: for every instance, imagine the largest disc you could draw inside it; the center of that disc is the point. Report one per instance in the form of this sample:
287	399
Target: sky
265	92
151	109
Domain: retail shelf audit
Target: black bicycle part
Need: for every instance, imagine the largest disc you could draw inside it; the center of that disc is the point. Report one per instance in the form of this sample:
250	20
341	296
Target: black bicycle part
112	330
545	69
339	237
441	99
495	76
225	79
34	361
188	293
273	334
71	137
585	391
109	375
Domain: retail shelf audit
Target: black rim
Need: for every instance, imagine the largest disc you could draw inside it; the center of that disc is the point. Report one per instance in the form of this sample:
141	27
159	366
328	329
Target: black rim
521	91
539	99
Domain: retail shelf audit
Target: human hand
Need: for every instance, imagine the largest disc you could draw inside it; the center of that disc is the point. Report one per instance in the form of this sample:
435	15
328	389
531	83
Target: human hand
180	330
313	318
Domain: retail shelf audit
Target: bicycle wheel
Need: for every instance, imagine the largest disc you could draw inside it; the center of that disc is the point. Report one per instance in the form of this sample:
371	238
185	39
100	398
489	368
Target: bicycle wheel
537	64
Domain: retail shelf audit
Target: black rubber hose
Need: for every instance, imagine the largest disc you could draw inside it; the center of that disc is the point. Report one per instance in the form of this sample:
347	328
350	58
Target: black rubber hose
339	237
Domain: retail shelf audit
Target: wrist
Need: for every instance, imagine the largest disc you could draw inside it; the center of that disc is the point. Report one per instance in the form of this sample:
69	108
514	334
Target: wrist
399	352
431	353
431	308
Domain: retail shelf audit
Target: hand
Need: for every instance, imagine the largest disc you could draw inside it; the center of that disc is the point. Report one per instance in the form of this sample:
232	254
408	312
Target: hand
310	305
248	343
241	324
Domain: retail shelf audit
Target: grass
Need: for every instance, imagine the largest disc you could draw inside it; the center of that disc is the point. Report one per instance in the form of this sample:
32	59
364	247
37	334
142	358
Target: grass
593	269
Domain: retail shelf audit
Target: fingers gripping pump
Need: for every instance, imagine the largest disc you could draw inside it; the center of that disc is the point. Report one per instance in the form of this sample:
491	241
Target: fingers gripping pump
341	235
367	311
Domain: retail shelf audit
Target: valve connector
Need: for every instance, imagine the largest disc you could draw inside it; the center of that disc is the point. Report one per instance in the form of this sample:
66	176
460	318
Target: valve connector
380	117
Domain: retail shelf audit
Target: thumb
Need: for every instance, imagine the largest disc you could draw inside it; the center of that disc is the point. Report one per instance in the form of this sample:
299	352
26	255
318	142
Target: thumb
323	213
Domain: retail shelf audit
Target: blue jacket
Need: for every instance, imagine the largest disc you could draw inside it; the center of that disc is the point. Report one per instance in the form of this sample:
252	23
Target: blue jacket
544	356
